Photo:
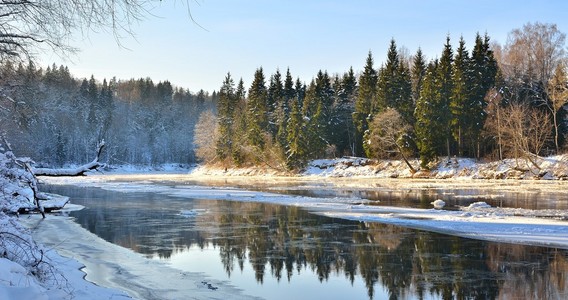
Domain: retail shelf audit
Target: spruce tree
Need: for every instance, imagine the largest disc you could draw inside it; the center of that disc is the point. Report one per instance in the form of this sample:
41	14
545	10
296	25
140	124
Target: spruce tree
225	111
387	84
257	111
275	97
427	126
288	95
296	150
445	86
239	127
403	100
364	103
418	73
460	122
484	70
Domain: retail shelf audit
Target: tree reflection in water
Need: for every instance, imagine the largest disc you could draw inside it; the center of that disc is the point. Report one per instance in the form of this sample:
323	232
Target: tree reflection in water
283	241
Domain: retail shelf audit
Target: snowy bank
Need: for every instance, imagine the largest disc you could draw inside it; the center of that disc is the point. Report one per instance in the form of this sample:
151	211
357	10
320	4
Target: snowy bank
550	168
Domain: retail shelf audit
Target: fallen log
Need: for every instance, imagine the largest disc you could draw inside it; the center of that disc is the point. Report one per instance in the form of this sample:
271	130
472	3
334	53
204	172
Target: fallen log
78	171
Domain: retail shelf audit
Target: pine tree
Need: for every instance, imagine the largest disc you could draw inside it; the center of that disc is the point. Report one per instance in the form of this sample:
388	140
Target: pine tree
239	127
275	97
296	152
225	109
418	73
288	95
427	124
403	100
445	86
387	85
364	103
484	70
257	110
460	96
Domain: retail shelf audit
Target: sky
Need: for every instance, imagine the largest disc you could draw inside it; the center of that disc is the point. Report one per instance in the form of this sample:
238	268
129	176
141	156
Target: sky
304	36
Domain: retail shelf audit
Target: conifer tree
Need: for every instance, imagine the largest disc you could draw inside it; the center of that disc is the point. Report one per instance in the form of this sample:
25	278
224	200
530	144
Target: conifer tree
428	125
484	70
387	85
364	103
418	73
288	94
460	95
295	140
239	127
225	110
445	86
257	111
403	101
275	97
342	127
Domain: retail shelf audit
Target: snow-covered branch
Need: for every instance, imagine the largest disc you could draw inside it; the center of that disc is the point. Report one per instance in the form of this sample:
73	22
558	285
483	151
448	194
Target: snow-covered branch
78	171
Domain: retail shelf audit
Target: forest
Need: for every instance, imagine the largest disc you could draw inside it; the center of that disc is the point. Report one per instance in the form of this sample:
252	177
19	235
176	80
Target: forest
493	102
58	120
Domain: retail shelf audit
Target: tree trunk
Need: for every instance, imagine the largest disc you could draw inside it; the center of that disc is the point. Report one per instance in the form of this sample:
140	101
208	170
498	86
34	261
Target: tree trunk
79	171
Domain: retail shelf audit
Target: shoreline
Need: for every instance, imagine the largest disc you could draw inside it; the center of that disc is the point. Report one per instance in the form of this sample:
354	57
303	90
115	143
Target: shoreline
109	266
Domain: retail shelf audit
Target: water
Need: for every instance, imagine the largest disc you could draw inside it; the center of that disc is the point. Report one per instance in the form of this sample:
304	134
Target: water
279	252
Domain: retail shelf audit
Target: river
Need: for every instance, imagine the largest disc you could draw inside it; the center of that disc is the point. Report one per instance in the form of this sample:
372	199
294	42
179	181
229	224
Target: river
274	251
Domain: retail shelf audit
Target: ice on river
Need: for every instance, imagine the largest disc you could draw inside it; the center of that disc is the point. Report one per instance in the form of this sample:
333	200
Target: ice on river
478	221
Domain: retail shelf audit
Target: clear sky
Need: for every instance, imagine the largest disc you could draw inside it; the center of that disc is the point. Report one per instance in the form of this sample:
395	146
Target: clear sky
305	36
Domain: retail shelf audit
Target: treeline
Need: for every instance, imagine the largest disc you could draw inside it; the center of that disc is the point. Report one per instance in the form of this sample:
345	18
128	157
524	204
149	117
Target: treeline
491	102
57	119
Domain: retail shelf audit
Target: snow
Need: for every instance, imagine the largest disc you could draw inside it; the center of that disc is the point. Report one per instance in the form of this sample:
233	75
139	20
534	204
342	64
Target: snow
30	271
60	277
479	220
439	203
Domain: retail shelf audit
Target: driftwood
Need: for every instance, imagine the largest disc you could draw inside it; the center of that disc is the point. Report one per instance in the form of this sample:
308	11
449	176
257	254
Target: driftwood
79	171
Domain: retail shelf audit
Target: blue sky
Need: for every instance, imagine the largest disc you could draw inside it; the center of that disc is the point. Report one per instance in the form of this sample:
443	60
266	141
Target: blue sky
305	36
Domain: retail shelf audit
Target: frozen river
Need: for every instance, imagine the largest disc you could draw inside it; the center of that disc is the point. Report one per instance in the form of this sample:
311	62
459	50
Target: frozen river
179	239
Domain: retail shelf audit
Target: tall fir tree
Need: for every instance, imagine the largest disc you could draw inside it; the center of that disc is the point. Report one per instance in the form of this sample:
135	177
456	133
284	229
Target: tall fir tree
342	126
296	148
417	74
239	127
257	110
428	125
364	103
289	94
445	86
461	77
387	84
225	111
484	70
275	97
403	101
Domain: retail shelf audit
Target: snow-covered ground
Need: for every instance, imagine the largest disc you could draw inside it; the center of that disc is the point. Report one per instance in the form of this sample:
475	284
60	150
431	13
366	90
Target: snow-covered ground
551	168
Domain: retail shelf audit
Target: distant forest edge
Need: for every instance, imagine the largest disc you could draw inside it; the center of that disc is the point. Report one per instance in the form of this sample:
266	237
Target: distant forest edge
58	119
491	102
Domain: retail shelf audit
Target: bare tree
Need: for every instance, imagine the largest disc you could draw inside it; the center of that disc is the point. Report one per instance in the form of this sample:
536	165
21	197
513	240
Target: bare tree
388	136
27	26
525	131
206	134
534	51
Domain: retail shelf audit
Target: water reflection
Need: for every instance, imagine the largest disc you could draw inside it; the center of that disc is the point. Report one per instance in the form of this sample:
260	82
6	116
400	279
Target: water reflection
281	243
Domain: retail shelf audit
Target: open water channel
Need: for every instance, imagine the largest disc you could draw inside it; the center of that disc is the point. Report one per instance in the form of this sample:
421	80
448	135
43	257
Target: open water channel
285	252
